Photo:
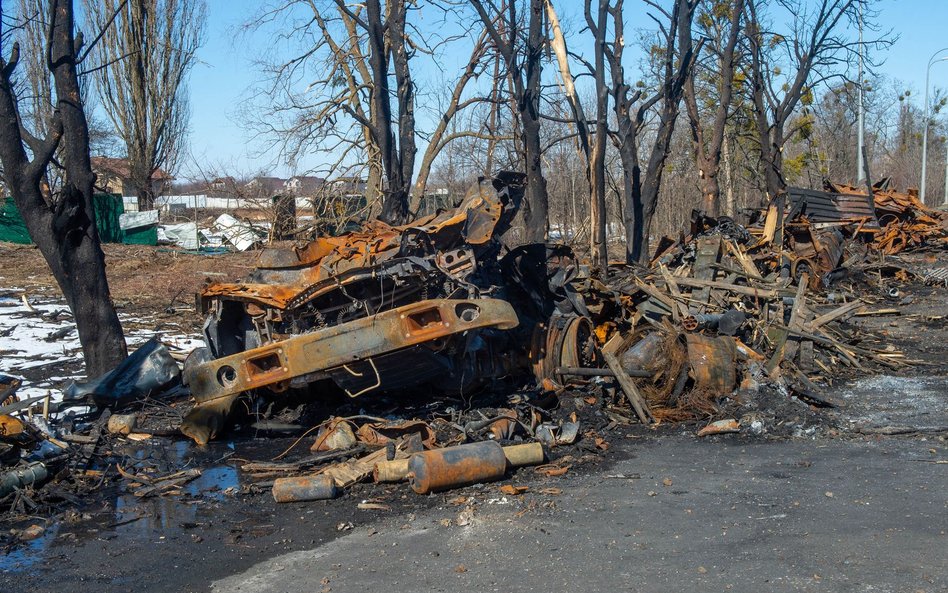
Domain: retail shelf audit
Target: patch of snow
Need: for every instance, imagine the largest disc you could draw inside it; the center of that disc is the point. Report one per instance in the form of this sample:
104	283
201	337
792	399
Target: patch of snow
24	345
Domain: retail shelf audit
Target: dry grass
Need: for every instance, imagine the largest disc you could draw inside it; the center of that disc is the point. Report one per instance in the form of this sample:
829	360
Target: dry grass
141	277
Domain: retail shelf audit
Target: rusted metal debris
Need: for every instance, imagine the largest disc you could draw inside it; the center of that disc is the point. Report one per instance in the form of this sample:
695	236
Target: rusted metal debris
453	467
725	306
438	307
388	308
905	223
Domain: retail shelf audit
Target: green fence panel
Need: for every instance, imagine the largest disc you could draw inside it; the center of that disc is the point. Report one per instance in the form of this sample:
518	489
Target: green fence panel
108	208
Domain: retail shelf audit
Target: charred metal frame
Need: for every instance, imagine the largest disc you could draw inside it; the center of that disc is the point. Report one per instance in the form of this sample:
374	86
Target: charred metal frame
275	364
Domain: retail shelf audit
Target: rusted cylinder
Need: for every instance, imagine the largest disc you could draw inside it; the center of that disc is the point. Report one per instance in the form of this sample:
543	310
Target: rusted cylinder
303	488
453	467
395	470
647	354
527	454
34	474
689	323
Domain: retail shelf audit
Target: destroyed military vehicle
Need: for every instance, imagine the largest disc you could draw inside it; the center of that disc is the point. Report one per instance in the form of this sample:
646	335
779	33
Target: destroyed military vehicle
439	302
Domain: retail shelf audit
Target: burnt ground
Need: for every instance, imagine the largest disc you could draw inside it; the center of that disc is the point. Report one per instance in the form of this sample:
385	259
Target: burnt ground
851	499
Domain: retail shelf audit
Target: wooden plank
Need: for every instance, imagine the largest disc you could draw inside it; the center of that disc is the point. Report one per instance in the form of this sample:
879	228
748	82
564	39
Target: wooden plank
681	310
796	315
770	225
764	293
708	253
834	315
625	381
891	311
742	258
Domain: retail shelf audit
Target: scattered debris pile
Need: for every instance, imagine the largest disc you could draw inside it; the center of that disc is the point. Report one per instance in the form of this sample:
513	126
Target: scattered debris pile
725	308
333	343
906	223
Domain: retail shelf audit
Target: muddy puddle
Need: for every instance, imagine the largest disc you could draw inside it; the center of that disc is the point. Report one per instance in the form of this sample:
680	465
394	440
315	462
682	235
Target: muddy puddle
121	515
135	516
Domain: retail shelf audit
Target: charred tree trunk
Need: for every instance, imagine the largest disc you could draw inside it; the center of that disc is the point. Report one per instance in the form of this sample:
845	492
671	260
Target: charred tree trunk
708	143
405	91
536	212
642	191
769	135
386	40
651	185
597	149
63	228
523	62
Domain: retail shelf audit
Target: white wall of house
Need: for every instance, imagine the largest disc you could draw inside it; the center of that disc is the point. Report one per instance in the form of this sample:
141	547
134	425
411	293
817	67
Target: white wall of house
205	201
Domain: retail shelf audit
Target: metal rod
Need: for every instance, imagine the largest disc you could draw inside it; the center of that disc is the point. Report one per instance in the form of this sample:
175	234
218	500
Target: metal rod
588	372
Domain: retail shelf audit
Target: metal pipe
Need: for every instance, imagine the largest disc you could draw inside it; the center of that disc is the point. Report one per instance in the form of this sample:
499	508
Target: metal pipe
590	372
454	467
304	488
34	474
517	456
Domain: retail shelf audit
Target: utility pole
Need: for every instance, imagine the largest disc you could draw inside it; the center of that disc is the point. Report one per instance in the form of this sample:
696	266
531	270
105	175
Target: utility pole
944	202
928	71
860	170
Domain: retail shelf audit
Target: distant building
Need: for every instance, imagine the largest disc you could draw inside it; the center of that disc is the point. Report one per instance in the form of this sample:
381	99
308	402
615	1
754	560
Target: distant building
347	187
304	185
222	184
266	185
114	177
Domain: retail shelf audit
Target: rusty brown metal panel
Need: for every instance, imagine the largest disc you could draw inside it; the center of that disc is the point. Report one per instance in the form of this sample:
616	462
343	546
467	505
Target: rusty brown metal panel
820	207
274	364
713	363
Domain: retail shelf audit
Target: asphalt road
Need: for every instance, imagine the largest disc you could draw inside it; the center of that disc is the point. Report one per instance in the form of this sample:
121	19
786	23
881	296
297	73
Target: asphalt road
723	514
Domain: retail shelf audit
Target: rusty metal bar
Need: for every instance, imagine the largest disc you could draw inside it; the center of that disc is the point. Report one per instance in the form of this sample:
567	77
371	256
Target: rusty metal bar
332	347
591	372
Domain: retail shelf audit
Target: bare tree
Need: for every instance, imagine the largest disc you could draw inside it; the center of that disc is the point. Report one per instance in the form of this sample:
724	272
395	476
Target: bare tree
721	25
335	94
34	87
597	152
35	84
147	50
62	224
594	149
443	135
317	99
522	58
785	67
676	56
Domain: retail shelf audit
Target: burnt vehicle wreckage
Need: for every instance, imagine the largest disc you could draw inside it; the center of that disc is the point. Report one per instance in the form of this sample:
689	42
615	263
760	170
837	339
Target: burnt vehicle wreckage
433	303
739	327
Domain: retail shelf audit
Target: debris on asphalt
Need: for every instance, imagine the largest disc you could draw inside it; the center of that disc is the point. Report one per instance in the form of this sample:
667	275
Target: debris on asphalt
435	356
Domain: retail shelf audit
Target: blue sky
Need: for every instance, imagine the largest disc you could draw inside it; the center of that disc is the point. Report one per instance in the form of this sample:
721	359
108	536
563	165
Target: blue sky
226	72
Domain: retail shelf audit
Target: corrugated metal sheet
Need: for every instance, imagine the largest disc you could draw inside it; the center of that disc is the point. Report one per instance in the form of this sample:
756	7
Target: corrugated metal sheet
824	207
